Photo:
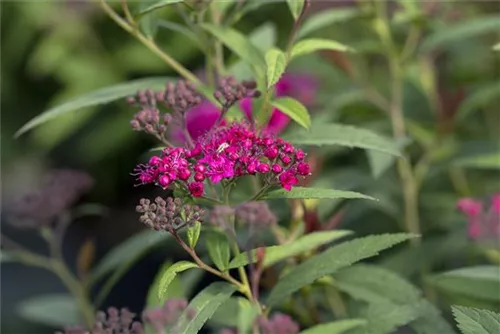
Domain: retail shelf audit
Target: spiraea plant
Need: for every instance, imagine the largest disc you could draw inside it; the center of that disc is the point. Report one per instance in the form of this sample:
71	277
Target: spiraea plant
241	170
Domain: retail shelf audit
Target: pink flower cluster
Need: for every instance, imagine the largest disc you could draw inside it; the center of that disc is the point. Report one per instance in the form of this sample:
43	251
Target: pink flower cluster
226	152
483	223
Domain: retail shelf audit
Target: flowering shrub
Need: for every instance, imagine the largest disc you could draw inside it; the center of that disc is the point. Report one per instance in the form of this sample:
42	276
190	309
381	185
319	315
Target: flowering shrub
242	177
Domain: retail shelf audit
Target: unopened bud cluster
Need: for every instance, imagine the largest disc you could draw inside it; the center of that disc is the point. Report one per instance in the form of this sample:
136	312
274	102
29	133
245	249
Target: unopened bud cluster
168	215
255	213
230	91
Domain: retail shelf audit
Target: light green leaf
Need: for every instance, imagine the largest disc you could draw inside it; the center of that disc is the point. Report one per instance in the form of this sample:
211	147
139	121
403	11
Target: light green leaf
481	282
57	310
157	5
332	260
483	161
128	252
325	18
294	109
308	193
296	7
276	63
218	249
461	31
240	45
344	135
496	47
336	327
193	234
307	46
480	98
204	306
100	96
174	290
169	275
375	284
274	254
476	321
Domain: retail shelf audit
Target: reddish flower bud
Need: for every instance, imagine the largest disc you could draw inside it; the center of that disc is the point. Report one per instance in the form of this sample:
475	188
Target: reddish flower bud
277	168
154	161
263	168
196	189
271	152
184	174
303	169
300	155
164	181
199	177
200	168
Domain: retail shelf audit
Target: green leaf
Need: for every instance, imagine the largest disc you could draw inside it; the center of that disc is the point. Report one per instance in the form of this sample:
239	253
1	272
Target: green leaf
381	162
240	45
487	94
100	96
296	7
483	161
174	289
344	135
307	46
384	318
325	18
57	310
461	31
218	249
482	282
294	109
375	284
309	193
476	321
157	5
193	233
332	260
183	30
169	275
274	254
128	252
496	47
276	63
336	327
204	306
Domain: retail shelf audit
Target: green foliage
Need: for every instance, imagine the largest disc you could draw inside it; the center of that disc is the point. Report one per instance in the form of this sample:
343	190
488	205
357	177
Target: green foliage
169	274
276	63
193	234
481	282
325	18
311	193
274	254
344	135
476	321
218	249
155	5
385	318
308	46
480	98
332	260
296	7
480	161
294	109
336	327
204	305
53	310
173	290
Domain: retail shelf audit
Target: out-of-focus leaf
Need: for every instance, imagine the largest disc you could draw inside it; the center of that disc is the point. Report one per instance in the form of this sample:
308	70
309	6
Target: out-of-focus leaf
482	282
168	276
56	310
344	135
274	254
496	47
183	30
276	63
229	313
336	327
459	32
154	5
483	161
100	96
296	7
332	260
307	46
479	99
385	317
218	249
89	209
204	305
308	193
476	321
294	109
85	258
381	162
240	45
174	290
325	18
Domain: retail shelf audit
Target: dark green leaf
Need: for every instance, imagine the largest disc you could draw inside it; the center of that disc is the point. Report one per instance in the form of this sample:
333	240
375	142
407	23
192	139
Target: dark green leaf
336	327
476	321
204	306
57	310
100	96
276	63
309	193
296	7
332	260
169	274
344	135
274	254
307	46
460	31
218	249
294	109
325	18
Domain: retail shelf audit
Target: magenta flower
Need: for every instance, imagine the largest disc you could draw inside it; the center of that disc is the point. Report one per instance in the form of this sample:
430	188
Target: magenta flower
202	118
483	218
